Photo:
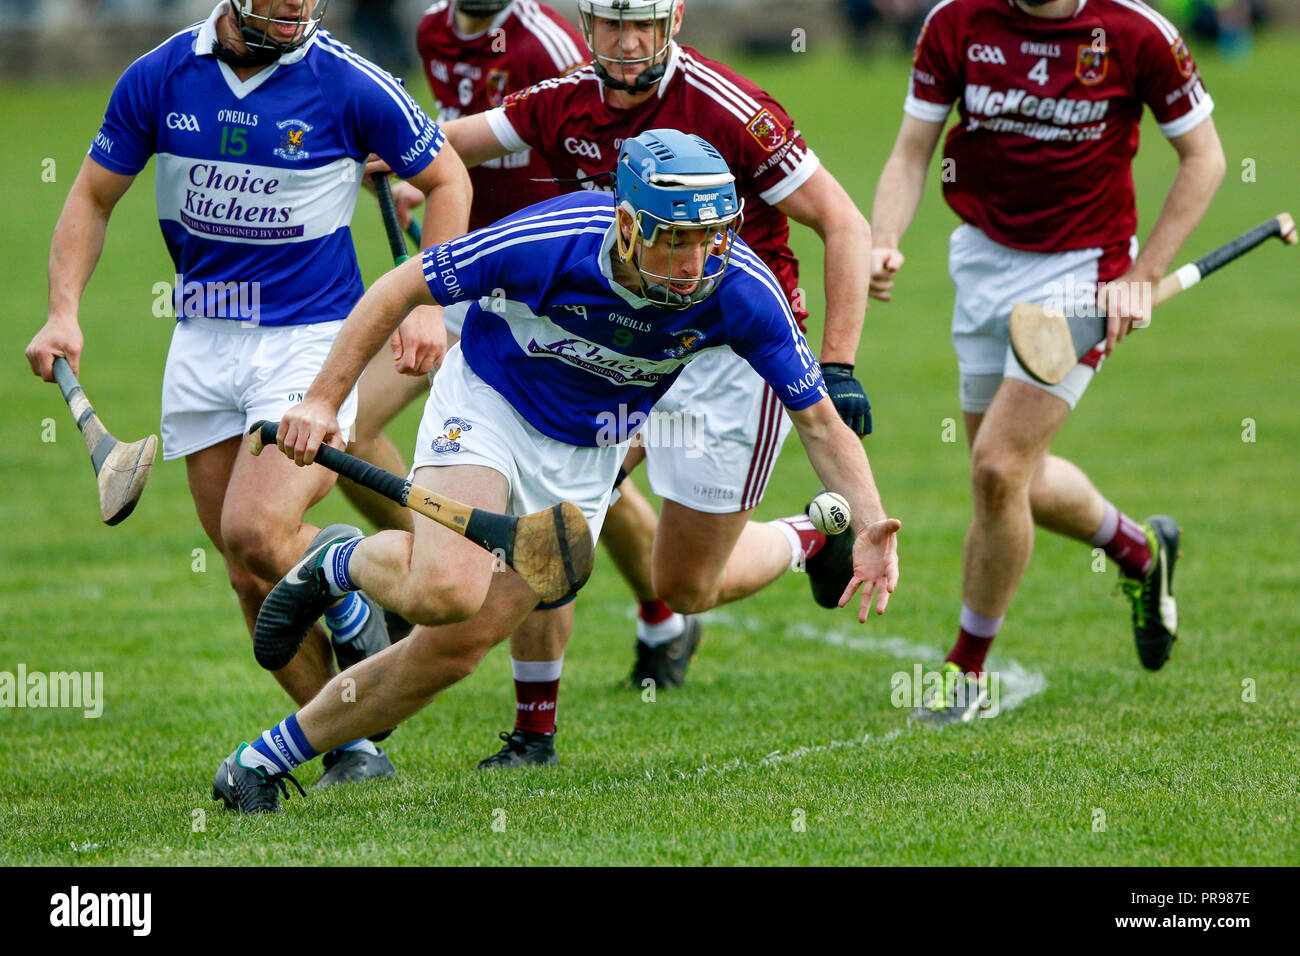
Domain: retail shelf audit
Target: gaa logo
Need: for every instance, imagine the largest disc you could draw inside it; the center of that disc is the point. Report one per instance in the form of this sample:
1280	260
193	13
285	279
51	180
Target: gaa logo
980	53
582	147
187	122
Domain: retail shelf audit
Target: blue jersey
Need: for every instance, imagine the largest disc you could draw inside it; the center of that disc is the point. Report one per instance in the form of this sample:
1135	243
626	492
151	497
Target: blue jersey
257	180
578	355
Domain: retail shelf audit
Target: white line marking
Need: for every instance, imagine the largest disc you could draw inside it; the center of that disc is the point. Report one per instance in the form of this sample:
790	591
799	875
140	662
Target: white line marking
1018	684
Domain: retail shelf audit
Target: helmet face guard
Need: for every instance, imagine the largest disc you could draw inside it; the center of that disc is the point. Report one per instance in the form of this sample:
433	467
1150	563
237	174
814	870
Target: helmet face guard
481	8
626	12
657	287
670	182
255	30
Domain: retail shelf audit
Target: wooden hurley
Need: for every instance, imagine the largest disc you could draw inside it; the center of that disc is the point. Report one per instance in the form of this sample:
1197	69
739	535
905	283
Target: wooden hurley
120	468
551	550
1048	344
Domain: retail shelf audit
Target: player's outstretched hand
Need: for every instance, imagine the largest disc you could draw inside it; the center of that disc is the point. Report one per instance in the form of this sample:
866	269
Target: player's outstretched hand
420	342
55	339
875	566
305	427
885	264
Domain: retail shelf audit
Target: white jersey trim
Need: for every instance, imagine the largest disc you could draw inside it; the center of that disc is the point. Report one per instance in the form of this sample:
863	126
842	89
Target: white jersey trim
504	130
563	52
531	237
799	170
751	263
1166	28
741	103
708	91
569	217
394	89
1190	120
925	110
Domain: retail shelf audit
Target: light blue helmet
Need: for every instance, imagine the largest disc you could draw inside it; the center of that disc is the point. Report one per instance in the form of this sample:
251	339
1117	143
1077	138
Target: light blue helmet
670	179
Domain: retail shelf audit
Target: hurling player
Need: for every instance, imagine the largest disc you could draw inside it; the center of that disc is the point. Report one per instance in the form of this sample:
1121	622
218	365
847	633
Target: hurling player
640	78
518	419
257	171
1049	96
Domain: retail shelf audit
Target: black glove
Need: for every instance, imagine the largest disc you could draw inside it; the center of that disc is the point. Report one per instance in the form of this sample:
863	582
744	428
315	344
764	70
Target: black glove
847	395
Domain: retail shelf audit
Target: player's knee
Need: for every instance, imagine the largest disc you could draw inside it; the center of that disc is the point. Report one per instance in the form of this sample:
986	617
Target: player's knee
996	476
689	597
254	548
441	602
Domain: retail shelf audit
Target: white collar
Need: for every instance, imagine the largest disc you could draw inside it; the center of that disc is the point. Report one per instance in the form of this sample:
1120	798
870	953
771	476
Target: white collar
207	36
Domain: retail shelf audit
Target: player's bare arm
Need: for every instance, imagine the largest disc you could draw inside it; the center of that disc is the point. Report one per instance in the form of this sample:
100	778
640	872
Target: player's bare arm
841	463
473	139
421	340
74	250
1201	167
822	204
898	195
306	426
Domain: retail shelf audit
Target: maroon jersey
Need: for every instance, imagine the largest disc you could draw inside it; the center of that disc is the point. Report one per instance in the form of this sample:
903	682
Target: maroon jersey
567	121
1048	114
526	43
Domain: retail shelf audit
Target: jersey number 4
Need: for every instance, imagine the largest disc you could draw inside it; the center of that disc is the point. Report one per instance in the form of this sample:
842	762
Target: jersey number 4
1039	73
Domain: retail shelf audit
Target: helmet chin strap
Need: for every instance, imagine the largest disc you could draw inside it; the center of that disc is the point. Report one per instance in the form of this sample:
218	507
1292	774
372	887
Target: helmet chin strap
255	56
642	84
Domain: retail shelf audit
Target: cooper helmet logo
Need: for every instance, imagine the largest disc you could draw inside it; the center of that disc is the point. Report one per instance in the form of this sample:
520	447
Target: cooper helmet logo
986	53
582	147
186	122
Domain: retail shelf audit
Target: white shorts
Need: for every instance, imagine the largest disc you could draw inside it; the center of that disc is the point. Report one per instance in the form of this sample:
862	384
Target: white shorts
468	422
222	375
990	279
713	439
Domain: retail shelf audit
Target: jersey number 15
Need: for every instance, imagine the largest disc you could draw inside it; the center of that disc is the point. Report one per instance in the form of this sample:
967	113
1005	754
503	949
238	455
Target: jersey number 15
232	141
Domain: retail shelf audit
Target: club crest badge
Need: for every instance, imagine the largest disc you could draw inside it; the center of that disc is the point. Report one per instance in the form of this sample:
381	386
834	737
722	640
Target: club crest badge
687	342
449	440
1092	63
497	80
765	128
292	139
1186	66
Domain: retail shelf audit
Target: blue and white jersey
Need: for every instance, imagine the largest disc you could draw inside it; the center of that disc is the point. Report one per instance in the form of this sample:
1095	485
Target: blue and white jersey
257	180
573	351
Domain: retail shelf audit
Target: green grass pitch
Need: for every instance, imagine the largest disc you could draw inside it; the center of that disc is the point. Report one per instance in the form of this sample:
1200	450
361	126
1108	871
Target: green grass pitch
784	747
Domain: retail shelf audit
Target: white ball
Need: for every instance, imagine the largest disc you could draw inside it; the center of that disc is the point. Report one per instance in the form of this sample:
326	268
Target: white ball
829	513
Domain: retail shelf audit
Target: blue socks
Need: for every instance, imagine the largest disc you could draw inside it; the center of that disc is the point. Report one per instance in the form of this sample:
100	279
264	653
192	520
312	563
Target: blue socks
282	748
334	564
347	618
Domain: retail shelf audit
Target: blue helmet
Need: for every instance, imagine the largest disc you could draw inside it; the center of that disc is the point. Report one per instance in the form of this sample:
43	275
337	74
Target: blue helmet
670	179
